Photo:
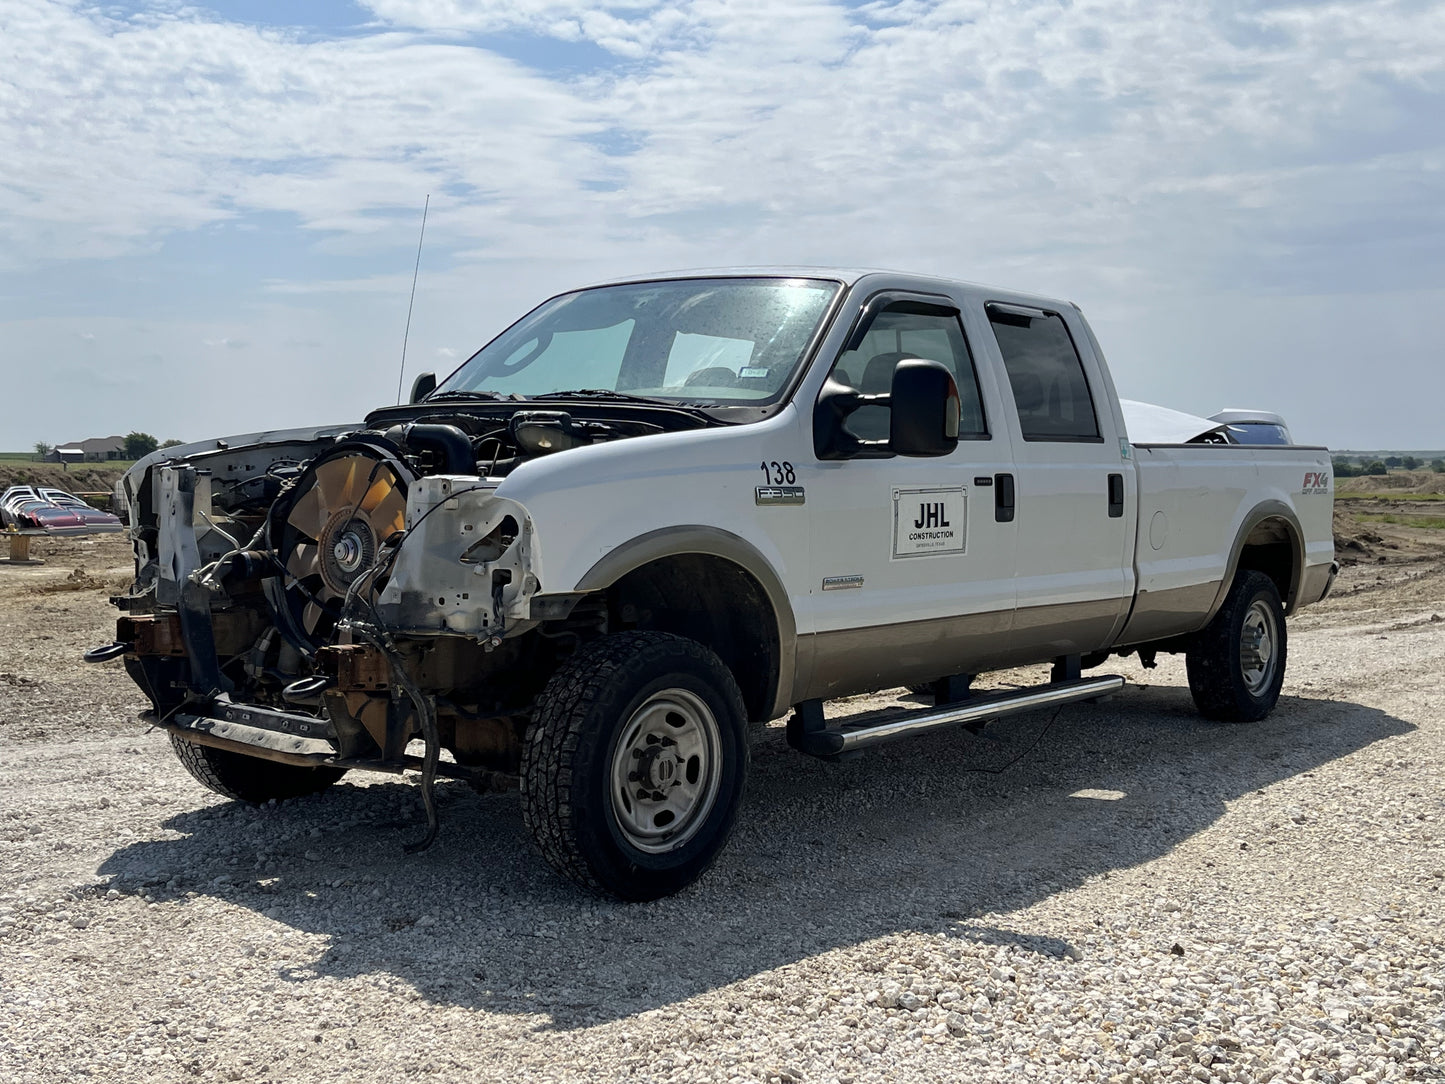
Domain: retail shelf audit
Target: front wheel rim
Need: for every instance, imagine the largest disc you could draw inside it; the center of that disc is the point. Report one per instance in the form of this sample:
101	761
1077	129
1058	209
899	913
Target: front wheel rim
1258	647
666	771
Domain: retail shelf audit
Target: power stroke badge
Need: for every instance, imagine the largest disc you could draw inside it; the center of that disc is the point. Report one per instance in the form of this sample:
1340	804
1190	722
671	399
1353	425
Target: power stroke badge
929	521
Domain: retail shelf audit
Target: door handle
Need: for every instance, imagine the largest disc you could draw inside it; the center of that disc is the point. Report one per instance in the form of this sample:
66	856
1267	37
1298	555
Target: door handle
1116	496
1003	498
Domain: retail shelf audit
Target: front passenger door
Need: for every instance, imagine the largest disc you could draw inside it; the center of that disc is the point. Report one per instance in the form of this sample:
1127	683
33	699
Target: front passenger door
913	567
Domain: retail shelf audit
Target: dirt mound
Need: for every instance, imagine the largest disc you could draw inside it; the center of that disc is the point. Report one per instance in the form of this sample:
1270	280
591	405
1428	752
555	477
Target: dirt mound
1354	542
82	579
1401	481
89	478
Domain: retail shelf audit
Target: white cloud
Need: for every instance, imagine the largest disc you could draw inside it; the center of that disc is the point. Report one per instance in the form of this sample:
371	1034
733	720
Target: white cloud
1118	151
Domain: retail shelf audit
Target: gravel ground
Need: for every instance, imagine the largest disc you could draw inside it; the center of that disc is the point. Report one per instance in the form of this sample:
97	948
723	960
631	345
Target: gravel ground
1143	896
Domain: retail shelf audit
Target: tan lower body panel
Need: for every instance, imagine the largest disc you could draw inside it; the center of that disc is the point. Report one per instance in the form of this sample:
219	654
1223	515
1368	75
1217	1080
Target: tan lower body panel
861	660
1159	615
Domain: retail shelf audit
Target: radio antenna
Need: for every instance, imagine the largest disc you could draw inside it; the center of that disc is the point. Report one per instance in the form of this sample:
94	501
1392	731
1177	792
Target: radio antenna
401	376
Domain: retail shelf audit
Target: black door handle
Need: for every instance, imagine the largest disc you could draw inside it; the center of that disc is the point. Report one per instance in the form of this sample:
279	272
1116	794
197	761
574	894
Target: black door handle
1116	496
1003	498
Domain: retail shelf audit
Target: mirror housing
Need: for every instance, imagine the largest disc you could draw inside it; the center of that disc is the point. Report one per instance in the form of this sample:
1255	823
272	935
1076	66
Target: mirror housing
422	386
925	409
836	402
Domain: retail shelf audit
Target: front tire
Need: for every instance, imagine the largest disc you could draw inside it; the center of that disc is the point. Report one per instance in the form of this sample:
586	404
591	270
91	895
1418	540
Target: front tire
250	779
1236	664
634	764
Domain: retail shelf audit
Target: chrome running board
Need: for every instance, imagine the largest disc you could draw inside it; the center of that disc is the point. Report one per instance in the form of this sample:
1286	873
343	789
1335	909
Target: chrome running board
808	733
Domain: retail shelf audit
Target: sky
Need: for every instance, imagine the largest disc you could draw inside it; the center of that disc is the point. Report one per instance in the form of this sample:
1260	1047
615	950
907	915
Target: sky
209	214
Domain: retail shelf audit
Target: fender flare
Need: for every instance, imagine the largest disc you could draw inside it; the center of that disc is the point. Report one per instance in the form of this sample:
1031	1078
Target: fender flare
712	542
1262	513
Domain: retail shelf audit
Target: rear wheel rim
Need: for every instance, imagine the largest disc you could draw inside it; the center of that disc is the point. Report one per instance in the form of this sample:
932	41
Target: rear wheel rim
666	771
1258	647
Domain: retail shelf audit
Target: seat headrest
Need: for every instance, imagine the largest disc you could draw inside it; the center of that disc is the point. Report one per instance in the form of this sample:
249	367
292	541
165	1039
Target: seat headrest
1028	392
878	373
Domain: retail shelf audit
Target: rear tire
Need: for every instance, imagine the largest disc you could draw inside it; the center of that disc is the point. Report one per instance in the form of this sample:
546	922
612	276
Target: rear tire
250	779
634	764
1236	664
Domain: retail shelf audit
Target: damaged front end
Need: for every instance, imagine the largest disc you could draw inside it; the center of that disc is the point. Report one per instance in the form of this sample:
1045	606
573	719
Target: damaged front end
326	599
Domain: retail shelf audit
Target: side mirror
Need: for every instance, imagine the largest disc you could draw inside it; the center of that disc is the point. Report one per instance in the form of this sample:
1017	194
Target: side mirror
423	386
836	402
926	409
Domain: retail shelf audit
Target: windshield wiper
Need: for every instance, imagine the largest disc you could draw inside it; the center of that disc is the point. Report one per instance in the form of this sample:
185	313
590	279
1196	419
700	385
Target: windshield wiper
458	394
605	393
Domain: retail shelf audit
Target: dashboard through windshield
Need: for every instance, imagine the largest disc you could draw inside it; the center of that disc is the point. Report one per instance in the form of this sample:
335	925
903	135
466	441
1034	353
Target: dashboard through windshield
722	340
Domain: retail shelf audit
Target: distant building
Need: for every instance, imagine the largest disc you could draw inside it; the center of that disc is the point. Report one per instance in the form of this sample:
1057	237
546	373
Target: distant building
94	450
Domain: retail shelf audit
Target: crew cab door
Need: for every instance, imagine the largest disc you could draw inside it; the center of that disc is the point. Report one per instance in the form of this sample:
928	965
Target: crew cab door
1074	482
912	564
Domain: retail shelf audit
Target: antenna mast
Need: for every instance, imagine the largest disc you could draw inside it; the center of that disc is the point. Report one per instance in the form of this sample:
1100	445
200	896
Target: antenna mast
401	376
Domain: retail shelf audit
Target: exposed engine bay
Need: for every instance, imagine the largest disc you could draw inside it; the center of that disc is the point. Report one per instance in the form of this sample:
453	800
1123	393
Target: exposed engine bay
282	580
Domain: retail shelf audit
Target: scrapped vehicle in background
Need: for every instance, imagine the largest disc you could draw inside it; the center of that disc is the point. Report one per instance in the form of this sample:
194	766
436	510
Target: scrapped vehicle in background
28	508
1253	426
654	512
95	519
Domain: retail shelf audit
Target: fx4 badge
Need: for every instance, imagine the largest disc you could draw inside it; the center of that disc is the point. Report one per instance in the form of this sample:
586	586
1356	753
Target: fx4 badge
1315	482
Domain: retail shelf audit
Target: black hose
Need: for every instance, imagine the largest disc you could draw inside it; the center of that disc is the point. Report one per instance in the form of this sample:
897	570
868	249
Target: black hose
451	445
426	716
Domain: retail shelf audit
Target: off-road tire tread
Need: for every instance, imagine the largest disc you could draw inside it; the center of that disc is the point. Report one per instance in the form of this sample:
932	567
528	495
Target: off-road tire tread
1212	660
250	779
556	729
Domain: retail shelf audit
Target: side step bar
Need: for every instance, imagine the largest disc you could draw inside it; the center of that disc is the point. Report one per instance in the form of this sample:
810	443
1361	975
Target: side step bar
808	733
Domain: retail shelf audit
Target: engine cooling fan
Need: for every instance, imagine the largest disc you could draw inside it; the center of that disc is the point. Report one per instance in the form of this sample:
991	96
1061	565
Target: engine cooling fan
342	510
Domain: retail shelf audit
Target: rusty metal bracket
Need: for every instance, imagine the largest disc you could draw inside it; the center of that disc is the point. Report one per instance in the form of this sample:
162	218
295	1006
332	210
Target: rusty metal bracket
356	667
152	634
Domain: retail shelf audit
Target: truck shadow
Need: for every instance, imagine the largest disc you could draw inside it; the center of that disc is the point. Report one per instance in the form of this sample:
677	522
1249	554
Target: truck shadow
910	837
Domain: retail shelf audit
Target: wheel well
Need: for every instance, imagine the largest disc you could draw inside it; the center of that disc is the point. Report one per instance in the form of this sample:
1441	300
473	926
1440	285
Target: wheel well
1270	547
713	601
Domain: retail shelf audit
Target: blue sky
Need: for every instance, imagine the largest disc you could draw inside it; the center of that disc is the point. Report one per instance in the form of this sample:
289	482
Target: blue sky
209	213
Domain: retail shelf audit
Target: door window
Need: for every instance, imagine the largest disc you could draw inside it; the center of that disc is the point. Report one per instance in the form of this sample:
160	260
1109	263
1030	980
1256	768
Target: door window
907	329
1047	377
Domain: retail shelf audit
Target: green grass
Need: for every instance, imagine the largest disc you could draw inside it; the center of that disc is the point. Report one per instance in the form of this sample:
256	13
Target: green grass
1430	523
1388	495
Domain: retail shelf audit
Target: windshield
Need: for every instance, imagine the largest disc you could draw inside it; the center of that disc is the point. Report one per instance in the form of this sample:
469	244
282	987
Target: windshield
709	340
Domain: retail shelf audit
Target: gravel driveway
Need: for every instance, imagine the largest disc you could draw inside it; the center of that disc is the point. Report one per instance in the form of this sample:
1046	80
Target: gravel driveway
1142	896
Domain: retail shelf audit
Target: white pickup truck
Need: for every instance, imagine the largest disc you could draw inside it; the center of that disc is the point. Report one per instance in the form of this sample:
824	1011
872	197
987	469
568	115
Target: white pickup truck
652	512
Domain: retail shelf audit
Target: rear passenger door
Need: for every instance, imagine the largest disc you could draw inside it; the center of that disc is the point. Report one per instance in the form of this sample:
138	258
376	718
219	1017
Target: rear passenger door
1074	487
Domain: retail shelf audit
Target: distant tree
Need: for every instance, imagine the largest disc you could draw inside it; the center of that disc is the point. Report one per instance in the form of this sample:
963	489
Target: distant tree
1374	466
1409	462
1392	461
42	449
1344	468
1438	466
139	445
173	442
